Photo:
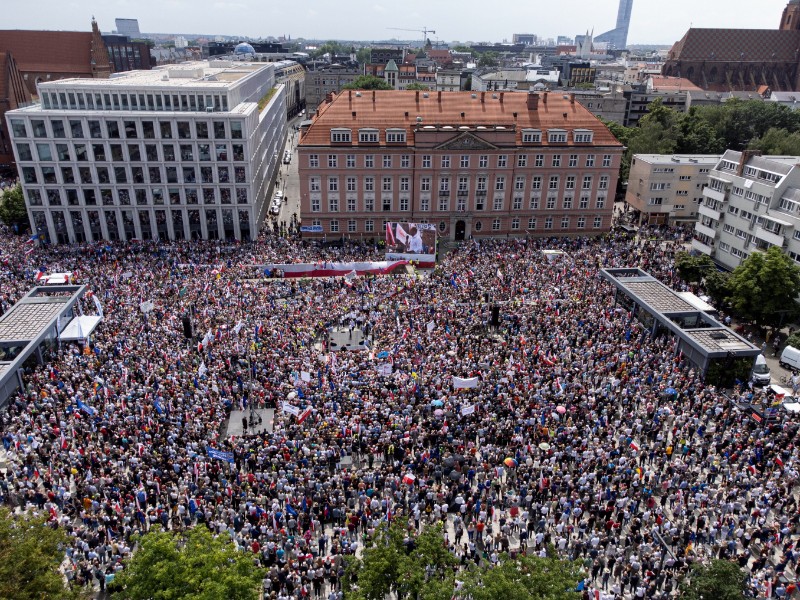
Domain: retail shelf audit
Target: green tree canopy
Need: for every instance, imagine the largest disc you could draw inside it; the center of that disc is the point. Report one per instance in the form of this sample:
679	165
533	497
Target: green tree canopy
489	59
777	141
764	288
12	207
190	565
417	86
718	580
692	269
30	554
367	82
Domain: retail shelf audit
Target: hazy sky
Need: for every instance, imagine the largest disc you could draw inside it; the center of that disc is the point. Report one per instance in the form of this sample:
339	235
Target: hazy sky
477	20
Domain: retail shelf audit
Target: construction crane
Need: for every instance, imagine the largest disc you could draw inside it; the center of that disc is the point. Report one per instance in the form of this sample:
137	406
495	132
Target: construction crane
424	31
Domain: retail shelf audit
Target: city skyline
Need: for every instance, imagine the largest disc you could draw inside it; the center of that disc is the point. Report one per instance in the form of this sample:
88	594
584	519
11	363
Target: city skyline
649	24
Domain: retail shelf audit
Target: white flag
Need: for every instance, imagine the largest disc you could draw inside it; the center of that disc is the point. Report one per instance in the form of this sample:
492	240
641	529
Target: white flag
431	326
350	278
468	410
305	376
97	305
202	369
459	383
238	327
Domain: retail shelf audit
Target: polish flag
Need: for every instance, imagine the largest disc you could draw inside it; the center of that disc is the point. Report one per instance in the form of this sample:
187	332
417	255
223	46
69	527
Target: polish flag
409	478
634	445
304	415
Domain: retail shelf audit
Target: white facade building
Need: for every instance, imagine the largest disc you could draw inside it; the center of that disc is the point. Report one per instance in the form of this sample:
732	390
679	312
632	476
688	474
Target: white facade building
751	204
181	152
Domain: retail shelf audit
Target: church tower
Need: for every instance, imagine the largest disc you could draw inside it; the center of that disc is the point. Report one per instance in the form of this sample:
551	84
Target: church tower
790	21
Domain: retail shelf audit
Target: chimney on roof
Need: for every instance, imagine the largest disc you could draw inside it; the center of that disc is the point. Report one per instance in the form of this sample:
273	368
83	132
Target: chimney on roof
349	94
373	95
533	101
572	98
744	159
417	95
501	97
544	98
483	97
439	97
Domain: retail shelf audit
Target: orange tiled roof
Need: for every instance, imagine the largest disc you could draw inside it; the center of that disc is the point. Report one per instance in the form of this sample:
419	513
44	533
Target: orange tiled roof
664	83
389	108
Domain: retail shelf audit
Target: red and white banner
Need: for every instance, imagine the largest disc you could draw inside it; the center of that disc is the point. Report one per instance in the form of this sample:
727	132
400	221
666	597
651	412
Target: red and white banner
381	267
304	415
409	478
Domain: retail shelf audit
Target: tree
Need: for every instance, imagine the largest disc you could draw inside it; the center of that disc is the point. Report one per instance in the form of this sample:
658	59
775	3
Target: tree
488	59
363	56
692	269
30	554
720	580
192	564
418	86
367	82
777	142
12	207
764	287
524	578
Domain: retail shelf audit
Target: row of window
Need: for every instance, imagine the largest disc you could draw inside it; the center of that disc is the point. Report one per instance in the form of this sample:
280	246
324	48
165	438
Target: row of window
387	184
80	100
140	196
102	152
129	129
495	225
445	162
49	175
461	205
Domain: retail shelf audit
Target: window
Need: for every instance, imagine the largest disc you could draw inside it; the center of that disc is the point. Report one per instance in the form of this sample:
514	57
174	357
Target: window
313	184
351	205
20	131
553	185
351	226
334	226
590	160
369	204
369	225
582	136
551	202
368	136
603	185
584	203
425	184
166	130
573	160
426	161
536	183
534	203
517	203
557	136
556	160
587	182
515	224
499	183
581	222
404	204
502	161
58	128
387	161
24	152
569	184
44	152
395	136
483	161
351	161
606	160
539	160
405	161
464	162
478	225
404	184
498	203
351	184
39	130
333	161
333	184
369	161
519	183
659	186
496	225
386	204
76	127
444	186
567	202
564	222
728	229
333	204
600	202
522	160
445	162
387	184
313	161
532	223
424	204
598	222
340	136
531	136
444	204
369	184
548	223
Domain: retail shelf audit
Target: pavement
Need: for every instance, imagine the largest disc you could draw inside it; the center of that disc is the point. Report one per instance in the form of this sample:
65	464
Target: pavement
235	427
288	178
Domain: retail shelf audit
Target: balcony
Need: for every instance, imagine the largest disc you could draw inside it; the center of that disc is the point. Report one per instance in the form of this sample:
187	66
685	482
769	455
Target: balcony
715	195
771	238
444	193
701	247
709	212
705	230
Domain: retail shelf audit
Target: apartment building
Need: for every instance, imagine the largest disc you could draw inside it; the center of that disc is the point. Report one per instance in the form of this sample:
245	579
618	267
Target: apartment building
751	203
474	164
173	153
325	79
666	189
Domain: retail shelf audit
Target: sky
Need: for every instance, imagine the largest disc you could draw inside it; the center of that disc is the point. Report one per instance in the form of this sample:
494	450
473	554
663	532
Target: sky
652	22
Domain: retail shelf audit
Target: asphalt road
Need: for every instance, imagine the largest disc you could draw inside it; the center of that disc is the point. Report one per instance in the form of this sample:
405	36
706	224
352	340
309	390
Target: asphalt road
289	181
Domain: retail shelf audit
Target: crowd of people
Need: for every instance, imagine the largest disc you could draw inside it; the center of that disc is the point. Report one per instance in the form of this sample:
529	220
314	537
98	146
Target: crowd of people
574	427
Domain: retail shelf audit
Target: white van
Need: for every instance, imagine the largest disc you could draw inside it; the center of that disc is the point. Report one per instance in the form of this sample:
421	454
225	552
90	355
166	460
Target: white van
790	358
761	374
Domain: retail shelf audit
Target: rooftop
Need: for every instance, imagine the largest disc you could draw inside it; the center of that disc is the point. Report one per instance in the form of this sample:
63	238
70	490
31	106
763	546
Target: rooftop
416	111
679	159
737	45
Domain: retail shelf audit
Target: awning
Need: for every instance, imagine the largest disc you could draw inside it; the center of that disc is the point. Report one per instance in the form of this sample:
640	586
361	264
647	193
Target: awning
80	328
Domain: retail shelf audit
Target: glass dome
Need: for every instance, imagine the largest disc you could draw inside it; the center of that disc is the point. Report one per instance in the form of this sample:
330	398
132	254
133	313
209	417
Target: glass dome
244	48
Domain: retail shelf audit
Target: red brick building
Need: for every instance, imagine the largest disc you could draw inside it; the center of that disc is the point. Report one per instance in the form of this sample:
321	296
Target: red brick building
474	164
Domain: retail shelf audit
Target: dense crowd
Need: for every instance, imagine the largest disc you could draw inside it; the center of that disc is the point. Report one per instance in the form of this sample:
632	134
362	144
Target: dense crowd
581	431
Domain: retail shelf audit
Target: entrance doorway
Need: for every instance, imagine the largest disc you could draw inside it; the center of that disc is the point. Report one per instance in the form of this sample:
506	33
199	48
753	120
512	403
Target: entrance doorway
461	228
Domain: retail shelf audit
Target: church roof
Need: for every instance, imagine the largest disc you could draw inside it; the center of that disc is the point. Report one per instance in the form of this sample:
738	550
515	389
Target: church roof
737	45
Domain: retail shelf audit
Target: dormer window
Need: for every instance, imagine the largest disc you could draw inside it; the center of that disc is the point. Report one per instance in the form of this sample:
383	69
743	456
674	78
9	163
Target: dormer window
368	136
557	136
531	136
395	136
340	136
582	136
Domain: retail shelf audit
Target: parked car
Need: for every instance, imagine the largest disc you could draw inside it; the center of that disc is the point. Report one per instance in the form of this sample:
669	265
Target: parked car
287	157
